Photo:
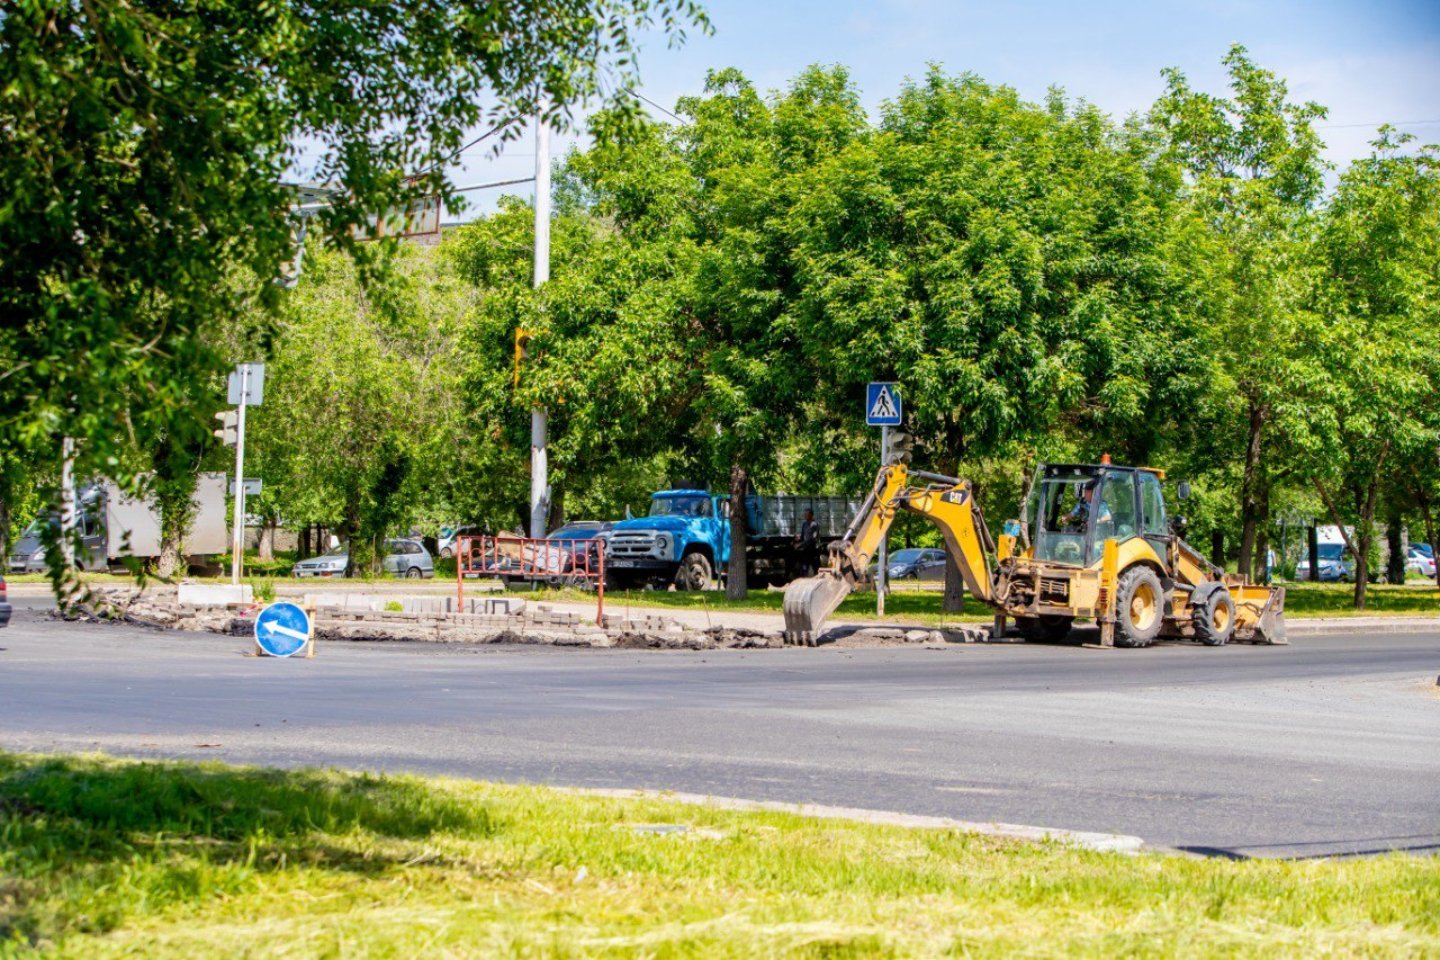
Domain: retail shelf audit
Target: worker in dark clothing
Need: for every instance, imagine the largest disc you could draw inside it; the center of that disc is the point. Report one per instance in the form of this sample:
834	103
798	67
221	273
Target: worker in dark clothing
807	545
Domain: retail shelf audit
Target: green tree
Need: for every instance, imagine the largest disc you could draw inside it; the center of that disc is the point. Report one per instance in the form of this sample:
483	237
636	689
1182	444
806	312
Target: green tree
147	144
362	393
1380	245
1253	176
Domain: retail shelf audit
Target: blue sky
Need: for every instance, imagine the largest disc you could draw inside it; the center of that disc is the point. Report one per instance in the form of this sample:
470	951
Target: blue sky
1368	62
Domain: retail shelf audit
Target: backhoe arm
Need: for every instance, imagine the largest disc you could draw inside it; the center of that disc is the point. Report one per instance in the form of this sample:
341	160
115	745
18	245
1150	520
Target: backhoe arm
945	501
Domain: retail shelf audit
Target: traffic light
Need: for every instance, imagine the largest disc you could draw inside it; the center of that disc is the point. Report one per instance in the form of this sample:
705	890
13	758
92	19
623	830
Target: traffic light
229	432
898	446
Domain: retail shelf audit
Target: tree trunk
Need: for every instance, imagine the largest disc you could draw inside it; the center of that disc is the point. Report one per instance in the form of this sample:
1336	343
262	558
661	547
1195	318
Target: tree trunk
1395	560
5	522
737	582
265	548
302	548
954	601
1312	547
176	499
556	518
1261	572
1217	548
1251	488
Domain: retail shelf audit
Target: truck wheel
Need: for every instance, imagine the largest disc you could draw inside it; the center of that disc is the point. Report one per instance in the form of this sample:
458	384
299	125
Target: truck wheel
1051	629
695	572
1139	608
1214	618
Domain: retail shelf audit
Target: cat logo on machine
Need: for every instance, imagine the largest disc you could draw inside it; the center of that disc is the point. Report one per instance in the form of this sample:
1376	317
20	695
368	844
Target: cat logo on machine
957	497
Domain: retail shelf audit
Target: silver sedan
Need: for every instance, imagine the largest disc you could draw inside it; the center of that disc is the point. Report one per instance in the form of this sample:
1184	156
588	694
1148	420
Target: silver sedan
403	558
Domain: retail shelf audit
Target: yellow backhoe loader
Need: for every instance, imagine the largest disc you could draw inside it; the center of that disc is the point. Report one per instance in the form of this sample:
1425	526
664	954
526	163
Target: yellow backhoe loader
1094	543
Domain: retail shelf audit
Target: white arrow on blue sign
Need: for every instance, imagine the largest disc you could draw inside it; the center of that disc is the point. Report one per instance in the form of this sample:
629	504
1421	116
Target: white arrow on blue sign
282	629
882	405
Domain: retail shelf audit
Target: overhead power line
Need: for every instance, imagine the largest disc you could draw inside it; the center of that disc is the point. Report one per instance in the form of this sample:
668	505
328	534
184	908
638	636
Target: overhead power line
496	183
451	158
640	96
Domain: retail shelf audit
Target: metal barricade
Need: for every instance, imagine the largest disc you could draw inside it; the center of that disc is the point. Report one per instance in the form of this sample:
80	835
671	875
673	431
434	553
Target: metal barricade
539	561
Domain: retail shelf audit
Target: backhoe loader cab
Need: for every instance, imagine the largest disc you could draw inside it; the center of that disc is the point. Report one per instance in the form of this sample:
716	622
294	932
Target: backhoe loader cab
1095	544
1075	508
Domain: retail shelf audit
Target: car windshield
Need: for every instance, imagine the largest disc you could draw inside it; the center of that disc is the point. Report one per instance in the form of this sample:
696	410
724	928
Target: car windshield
1331	551
680	507
574	533
341	551
36	527
1424	549
905	556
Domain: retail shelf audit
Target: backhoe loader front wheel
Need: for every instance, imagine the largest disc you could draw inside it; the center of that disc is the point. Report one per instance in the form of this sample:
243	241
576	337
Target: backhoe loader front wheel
1139	608
1214	618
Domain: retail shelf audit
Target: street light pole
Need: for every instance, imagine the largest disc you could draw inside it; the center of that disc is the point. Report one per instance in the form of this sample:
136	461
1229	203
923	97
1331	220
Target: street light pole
539	466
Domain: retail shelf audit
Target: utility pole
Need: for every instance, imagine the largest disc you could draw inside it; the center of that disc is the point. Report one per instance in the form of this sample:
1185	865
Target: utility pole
539	466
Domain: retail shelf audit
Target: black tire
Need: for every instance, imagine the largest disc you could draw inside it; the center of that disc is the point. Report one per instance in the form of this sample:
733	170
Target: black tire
447	553
1139	608
413	573
1214	618
695	572
1050	629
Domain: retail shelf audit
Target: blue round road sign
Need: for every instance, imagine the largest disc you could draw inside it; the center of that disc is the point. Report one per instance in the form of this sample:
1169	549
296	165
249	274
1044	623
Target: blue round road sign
282	629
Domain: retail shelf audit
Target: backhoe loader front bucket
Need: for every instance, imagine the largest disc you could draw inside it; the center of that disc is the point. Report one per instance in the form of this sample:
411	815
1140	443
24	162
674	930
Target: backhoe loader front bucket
809	603
1271	628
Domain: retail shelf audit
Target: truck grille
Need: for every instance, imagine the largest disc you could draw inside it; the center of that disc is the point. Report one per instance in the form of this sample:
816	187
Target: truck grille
630	545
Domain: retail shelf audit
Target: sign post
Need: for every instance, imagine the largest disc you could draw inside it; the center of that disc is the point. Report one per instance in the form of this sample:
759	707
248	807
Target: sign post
882	409
247	389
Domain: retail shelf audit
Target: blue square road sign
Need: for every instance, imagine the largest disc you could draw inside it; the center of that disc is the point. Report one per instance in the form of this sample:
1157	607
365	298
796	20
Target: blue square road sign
882	404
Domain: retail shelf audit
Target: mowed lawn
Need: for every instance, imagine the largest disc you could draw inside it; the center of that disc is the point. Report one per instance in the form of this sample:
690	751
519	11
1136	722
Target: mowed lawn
104	858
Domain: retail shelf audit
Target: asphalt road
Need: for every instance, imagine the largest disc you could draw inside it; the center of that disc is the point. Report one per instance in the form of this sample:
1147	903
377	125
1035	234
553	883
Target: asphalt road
1328	746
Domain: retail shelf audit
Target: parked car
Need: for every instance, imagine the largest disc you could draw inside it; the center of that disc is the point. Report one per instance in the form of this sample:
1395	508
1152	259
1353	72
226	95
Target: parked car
445	543
403	558
1335	564
914	563
5	608
1420	559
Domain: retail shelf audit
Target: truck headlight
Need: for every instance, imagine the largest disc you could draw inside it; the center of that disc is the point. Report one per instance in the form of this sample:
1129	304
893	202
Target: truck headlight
38	555
662	544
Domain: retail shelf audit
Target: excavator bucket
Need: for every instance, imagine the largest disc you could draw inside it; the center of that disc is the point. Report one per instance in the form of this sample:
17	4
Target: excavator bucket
809	603
1271	628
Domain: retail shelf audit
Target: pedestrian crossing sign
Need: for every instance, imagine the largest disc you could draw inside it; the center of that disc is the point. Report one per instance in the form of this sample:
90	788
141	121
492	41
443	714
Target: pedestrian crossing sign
882	405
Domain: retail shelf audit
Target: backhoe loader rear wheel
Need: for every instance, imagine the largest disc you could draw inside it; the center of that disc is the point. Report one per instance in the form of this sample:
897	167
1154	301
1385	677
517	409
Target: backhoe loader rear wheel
1051	629
1214	618
1139	608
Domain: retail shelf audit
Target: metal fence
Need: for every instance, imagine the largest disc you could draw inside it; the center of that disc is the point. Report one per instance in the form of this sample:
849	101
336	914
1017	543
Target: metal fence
536	560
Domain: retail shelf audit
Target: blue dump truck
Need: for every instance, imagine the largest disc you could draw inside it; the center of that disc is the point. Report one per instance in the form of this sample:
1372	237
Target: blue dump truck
685	540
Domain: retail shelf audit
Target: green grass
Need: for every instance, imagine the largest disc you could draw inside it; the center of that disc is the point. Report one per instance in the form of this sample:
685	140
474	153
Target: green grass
103	858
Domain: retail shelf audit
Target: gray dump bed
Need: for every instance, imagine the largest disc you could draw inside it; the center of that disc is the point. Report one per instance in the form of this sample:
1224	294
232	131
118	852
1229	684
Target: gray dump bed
783	514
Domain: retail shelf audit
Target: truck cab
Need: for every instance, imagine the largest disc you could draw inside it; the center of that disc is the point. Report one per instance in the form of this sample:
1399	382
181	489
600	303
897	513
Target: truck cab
685	538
